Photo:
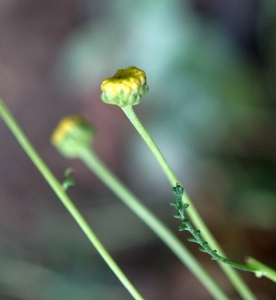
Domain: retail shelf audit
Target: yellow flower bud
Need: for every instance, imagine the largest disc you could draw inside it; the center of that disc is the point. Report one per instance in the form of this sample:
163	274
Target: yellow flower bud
126	87
72	134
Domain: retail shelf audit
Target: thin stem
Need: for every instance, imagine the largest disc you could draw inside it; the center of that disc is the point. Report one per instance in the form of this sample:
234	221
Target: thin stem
233	276
104	174
58	189
263	270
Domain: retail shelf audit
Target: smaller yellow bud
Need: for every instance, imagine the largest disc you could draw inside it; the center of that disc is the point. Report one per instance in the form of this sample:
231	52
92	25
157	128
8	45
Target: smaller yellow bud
126	87
72	134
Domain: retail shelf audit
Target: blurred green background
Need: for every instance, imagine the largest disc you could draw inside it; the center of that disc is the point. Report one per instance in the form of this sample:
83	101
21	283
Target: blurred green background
211	109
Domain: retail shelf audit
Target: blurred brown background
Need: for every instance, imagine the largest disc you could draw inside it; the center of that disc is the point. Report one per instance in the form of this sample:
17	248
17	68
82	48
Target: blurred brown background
211	109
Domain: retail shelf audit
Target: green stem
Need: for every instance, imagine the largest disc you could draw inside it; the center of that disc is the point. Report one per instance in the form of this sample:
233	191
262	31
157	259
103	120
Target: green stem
168	237
263	270
58	189
233	276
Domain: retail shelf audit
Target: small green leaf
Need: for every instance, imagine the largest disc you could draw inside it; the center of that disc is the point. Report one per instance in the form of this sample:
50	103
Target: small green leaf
202	249
182	228
178	191
185	206
193	240
177	216
69	181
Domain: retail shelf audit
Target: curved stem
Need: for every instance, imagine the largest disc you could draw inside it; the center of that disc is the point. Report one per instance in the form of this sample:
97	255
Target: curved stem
58	189
186	225
233	276
104	174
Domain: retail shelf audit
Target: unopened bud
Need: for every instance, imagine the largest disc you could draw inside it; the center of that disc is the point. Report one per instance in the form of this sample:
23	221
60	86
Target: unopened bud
126	87
72	135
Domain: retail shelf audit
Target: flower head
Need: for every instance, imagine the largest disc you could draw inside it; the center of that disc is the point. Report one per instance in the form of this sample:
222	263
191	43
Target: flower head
72	134
126	87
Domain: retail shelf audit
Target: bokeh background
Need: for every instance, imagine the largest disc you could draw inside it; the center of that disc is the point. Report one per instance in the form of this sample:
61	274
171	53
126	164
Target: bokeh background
211	109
